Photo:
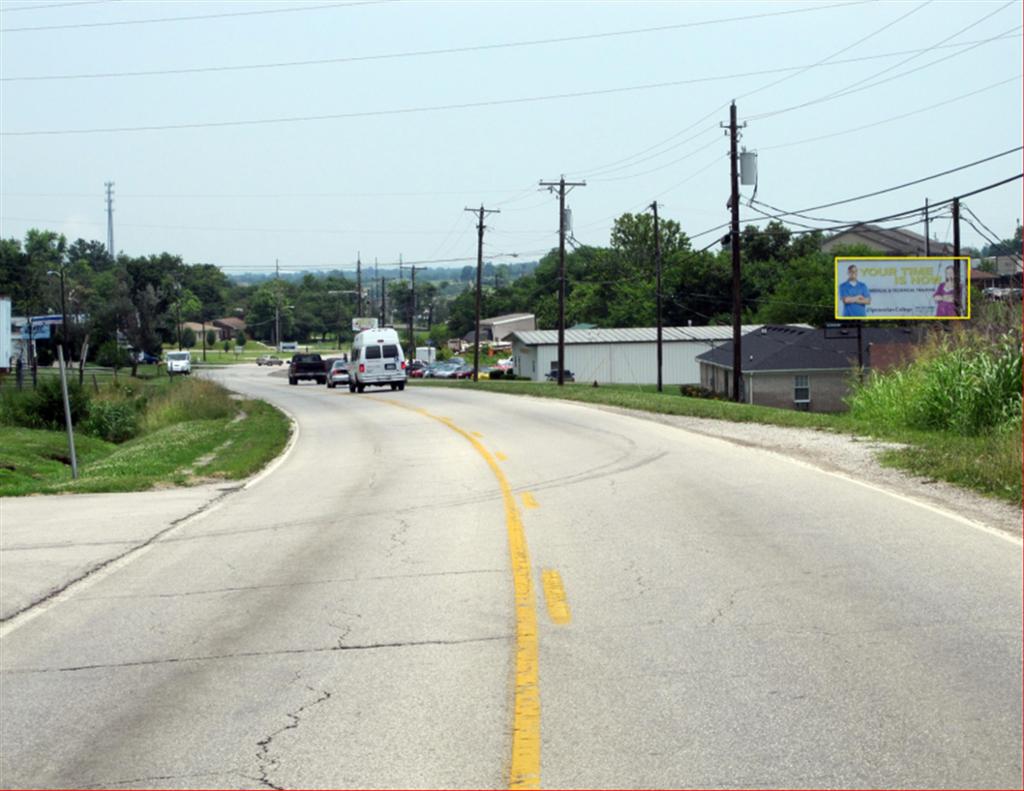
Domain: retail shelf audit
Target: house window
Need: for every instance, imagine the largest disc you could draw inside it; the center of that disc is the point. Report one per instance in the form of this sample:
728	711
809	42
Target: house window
801	389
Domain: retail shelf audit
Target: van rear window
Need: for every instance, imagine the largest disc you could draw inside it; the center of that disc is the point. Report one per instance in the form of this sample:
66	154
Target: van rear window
372	352
390	350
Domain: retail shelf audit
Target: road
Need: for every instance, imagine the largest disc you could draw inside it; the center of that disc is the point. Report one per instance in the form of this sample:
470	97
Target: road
440	588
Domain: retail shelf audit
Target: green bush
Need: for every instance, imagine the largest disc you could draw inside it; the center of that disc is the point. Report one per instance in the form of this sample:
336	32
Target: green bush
44	406
110	355
696	391
114	421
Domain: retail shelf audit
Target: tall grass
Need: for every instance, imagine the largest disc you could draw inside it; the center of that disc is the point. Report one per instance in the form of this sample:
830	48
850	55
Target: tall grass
187	398
967	386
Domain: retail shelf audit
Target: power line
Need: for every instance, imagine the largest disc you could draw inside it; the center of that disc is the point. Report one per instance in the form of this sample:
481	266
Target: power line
289	10
904	185
430	52
264	195
716	141
899	117
374	113
52	5
798	69
386	231
853	87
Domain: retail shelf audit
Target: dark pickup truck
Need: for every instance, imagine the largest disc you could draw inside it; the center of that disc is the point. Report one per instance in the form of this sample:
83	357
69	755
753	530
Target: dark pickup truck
307	366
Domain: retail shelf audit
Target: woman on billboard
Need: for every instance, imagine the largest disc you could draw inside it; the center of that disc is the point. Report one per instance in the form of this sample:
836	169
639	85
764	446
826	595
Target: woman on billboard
944	295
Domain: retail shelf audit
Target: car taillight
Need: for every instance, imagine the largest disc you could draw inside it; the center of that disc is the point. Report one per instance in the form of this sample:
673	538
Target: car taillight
362	368
403	365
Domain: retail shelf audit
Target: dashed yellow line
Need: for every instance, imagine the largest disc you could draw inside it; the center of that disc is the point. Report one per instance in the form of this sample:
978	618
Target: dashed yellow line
477	434
554	595
501	456
525	767
529	501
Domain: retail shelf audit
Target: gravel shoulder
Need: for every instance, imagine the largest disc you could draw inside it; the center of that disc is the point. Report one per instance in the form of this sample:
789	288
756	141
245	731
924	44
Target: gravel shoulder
855	457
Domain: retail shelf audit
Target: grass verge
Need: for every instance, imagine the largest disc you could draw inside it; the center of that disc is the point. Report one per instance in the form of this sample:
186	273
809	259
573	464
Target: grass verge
193	431
987	463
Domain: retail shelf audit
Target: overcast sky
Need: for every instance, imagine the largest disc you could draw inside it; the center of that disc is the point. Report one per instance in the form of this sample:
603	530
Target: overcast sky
383	162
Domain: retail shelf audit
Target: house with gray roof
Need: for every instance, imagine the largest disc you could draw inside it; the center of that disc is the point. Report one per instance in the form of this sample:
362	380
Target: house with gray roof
887	241
793	367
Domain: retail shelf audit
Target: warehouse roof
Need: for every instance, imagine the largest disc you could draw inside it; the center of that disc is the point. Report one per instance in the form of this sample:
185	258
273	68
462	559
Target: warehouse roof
633	335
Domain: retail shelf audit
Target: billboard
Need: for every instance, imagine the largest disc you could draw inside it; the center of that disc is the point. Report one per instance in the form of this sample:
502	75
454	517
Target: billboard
360	324
901	288
40	329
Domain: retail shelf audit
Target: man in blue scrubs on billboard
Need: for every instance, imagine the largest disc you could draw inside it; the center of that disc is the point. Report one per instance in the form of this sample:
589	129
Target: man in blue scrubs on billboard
854	295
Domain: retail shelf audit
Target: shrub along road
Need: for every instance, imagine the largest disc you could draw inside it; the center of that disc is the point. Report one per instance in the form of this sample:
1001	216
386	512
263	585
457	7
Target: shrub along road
446	588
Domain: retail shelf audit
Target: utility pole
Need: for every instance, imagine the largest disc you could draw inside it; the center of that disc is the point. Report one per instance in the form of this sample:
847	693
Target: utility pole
561	184
110	218
927	235
734	238
479	282
657	281
383	301
277	305
958	296
412	310
359	284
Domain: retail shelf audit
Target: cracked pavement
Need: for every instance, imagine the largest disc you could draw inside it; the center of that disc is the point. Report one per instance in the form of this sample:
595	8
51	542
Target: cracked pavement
737	620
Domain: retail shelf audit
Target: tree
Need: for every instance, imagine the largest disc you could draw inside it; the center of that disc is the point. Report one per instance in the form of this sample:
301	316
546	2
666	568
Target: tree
240	339
211	338
188	337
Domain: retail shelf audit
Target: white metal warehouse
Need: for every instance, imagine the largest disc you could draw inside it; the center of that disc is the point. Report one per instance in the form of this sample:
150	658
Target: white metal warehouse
620	356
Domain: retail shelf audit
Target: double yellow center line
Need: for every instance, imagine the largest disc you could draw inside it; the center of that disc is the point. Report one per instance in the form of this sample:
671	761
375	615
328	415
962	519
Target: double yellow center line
525	769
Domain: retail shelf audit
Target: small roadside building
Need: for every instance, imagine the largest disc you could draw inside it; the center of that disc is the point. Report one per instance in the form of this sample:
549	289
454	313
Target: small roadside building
619	356
794	367
499	328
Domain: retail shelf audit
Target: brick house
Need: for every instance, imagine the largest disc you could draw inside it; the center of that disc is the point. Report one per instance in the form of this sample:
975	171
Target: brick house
802	368
227	327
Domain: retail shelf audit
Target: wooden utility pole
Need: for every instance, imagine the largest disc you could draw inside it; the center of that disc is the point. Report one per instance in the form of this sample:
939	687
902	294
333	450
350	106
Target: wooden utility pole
412	312
657	284
561	184
479	283
734	238
958	296
927	235
359	285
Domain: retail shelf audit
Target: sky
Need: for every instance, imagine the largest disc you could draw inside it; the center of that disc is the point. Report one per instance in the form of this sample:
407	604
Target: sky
310	133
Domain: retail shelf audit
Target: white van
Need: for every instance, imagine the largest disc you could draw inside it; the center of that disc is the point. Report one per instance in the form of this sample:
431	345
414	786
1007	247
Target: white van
376	361
179	363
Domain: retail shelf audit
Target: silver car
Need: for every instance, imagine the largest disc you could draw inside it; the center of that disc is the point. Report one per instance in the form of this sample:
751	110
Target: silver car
338	375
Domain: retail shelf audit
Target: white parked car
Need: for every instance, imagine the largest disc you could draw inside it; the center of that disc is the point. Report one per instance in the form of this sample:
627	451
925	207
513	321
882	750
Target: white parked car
179	363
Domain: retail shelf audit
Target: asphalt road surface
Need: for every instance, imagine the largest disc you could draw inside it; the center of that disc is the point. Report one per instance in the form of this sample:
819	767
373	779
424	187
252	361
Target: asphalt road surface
440	588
